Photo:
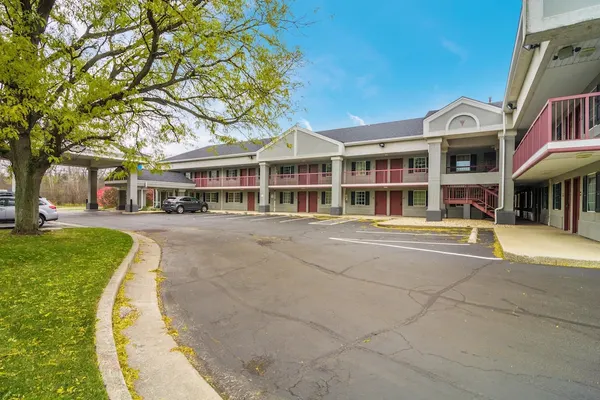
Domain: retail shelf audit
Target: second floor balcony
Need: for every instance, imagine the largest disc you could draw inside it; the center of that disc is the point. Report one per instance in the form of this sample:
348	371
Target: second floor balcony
568	120
227	182
386	177
301	179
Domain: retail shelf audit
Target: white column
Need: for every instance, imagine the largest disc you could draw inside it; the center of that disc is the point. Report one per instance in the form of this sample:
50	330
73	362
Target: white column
434	213
507	191
337	167
131	204
92	193
443	170
263	205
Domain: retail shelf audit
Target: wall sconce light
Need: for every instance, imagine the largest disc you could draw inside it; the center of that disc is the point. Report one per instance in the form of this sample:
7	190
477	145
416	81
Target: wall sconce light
382	145
252	157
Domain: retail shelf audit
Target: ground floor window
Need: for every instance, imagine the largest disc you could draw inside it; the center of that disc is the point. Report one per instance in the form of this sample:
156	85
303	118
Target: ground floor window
556	196
360	198
212	197
589	190
326	198
286	198
417	198
234	197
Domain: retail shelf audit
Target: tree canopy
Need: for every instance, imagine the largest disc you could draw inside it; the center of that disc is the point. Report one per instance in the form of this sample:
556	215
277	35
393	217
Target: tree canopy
131	75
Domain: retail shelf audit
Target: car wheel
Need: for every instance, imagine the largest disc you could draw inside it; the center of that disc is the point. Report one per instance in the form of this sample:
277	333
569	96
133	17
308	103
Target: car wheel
168	212
204	208
41	220
180	210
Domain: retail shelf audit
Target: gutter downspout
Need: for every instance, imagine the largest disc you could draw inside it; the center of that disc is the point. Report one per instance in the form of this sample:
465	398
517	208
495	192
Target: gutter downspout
502	169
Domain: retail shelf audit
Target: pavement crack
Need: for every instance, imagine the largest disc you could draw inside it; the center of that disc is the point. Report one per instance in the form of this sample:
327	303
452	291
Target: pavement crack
525	286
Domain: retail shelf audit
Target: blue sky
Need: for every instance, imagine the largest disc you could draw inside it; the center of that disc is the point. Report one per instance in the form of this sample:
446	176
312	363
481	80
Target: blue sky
387	60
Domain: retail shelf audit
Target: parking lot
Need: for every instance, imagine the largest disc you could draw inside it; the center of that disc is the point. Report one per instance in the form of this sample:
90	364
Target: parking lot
304	308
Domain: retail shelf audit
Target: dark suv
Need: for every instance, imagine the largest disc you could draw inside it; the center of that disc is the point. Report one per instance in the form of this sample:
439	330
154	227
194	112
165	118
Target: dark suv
182	204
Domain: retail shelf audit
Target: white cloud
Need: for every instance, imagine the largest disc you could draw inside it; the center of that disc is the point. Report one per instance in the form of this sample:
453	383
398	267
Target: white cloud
454	48
304	122
357	120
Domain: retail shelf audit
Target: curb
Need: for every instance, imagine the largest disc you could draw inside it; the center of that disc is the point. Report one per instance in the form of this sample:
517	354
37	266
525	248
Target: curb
106	350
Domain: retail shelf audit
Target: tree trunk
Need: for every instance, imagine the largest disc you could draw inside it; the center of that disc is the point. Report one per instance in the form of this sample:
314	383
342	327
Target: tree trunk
28	170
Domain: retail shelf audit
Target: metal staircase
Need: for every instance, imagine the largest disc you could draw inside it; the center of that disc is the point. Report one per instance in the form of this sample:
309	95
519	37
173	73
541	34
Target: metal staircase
484	198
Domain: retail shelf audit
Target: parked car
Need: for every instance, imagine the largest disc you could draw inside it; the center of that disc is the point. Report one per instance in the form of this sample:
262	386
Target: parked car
181	204
48	211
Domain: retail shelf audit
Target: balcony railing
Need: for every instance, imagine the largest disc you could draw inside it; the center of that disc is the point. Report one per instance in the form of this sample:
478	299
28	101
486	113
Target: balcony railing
562	118
387	176
472	168
238	181
301	179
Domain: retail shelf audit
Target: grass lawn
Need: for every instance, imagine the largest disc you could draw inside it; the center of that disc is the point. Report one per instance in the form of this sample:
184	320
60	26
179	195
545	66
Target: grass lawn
50	286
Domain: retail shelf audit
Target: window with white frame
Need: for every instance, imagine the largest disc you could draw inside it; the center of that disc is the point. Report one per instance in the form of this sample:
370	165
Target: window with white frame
326	169
326	198
213	174
286	198
591	193
420	164
237	197
212	197
556	196
463	163
360	198
286	170
229	198
361	168
231	173
419	198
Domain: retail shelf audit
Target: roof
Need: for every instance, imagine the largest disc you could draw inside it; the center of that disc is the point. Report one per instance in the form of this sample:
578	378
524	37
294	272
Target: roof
385	130
165	176
494	103
222	150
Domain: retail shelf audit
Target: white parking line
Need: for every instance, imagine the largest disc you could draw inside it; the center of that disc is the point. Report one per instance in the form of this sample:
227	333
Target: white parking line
335	221
266	218
243	216
408	233
415	248
343	221
295	219
212	216
414	242
67	224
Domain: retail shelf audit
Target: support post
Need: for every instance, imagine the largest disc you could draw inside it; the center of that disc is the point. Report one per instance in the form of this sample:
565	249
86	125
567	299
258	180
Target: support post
336	186
263	205
92	192
506	216
131	204
434	212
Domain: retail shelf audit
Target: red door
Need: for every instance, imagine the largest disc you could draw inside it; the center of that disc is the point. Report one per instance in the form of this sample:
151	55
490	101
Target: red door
396	171
396	202
243	177
301	201
252	177
380	202
203	179
302	177
576	199
313	169
251	201
567	205
381	171
312	202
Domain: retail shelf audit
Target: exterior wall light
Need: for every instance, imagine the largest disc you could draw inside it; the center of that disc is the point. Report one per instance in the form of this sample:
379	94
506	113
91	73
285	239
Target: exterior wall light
382	145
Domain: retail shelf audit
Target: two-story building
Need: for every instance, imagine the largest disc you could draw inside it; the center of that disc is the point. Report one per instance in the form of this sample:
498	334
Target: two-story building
464	160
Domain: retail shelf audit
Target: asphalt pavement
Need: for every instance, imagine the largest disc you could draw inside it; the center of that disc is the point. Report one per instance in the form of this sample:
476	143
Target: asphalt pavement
296	308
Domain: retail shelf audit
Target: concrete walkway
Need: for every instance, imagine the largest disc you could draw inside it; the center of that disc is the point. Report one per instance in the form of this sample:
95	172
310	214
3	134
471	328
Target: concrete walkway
445	223
164	372
541	244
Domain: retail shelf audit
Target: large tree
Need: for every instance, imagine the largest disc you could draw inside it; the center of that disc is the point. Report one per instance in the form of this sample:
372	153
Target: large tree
129	75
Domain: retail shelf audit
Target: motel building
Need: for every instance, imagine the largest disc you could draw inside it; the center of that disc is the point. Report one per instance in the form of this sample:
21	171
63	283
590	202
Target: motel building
535	156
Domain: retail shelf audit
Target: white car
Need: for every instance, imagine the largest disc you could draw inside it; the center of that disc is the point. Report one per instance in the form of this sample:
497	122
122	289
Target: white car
48	211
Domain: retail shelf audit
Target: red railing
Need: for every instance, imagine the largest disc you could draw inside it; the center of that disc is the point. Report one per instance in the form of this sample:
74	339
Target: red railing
481	197
472	168
238	181
385	176
562	118
300	179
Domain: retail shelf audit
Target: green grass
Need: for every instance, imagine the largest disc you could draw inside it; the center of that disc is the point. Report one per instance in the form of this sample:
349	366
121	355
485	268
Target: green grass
70	206
51	285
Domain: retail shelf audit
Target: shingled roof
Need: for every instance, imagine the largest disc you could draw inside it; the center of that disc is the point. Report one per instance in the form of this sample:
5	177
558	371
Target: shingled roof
221	150
385	130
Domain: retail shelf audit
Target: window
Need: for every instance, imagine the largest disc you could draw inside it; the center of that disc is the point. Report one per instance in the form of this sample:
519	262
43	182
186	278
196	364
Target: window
556	196
360	198
326	198
287	170
590	193
545	197
326	169
213	174
286	198
463	163
419	198
231	173
212	197
360	167
188	175
417	164
237	197
234	197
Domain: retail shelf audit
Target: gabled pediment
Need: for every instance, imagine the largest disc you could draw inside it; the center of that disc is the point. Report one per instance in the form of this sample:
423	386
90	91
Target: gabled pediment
463	116
298	142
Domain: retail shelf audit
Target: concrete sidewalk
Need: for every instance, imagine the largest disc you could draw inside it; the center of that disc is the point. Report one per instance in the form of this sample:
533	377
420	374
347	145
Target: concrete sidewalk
541	244
445	223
